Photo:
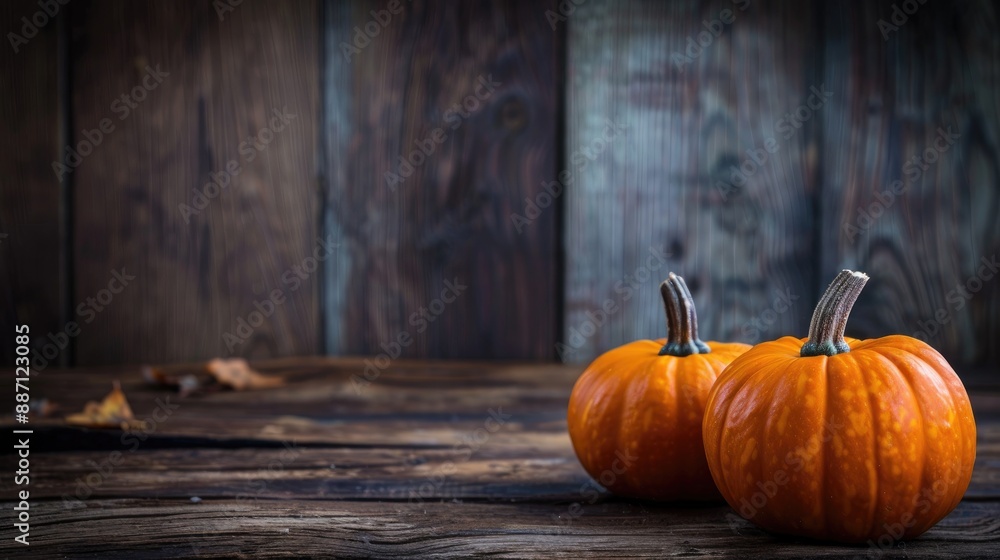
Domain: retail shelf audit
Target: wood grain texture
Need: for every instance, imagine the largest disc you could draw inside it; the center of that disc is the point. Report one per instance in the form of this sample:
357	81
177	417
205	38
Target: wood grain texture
359	529
895	89
197	276
450	219
31	224
665	185
313	469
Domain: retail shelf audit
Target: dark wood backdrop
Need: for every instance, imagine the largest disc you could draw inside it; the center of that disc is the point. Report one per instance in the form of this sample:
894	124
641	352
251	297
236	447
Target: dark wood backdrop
617	99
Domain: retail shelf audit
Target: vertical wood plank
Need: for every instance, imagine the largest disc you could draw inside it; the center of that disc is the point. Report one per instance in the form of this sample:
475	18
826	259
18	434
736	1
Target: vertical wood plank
30	224
923	238
449	220
226	76
692	113
335	138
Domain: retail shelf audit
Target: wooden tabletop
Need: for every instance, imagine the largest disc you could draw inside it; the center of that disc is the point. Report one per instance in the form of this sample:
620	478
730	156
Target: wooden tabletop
437	459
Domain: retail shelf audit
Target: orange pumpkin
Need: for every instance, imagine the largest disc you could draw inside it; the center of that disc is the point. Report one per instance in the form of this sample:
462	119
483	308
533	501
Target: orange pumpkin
635	413
841	439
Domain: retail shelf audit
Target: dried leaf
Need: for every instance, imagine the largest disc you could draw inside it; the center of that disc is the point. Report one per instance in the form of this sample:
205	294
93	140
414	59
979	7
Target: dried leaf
238	375
112	412
157	377
185	385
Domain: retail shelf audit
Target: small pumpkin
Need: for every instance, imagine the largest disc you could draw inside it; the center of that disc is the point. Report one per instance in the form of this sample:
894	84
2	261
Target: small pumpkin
635	414
841	439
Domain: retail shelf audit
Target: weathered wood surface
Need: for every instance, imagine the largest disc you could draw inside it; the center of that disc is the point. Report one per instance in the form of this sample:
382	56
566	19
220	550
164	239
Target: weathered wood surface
196	276
670	184
32	278
922	240
446	216
409	464
365	529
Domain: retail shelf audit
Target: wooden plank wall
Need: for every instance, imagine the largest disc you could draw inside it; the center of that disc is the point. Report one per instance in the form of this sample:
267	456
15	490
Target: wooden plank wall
661	196
924	238
449	221
32	277
645	131
227	75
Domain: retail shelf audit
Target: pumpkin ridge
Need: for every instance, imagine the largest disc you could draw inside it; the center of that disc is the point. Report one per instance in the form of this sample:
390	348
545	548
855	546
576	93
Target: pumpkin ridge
783	378
588	385
590	381
876	455
958	489
717	443
627	422
901	372
822	444
674	371
750	380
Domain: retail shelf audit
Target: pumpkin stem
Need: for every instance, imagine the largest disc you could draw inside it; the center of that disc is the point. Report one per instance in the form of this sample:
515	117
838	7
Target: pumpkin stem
826	331
682	321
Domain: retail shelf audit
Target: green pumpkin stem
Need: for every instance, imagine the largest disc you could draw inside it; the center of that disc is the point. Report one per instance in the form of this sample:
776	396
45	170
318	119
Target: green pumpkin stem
682	321
826	331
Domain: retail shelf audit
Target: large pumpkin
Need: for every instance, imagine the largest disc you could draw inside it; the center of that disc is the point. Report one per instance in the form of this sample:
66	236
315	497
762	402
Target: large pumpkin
841	439
635	413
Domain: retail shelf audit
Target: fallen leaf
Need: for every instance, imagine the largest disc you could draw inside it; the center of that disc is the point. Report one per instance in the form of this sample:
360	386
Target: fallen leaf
238	375
112	412
157	377
185	385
